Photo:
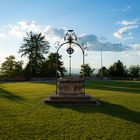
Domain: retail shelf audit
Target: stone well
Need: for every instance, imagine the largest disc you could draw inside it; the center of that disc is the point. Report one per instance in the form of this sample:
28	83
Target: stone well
70	90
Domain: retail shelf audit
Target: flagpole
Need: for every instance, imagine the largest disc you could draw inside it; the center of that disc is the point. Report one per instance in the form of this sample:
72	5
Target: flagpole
101	59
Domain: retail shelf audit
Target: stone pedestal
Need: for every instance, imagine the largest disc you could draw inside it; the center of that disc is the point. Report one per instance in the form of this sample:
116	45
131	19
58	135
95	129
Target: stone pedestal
70	90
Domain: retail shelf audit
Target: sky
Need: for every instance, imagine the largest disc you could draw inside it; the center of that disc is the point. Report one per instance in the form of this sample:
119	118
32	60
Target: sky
112	26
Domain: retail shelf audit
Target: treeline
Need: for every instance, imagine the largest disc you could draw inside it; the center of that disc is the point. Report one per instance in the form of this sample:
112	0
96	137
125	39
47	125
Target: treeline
11	68
118	69
34	47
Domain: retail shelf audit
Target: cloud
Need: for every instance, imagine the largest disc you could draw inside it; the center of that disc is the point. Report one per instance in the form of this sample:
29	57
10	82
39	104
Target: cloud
136	48
126	9
124	32
20	29
94	44
126	22
54	34
122	10
90	38
52	31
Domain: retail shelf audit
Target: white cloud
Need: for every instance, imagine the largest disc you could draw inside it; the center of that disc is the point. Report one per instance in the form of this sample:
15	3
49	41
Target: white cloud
124	32
20	29
52	34
126	22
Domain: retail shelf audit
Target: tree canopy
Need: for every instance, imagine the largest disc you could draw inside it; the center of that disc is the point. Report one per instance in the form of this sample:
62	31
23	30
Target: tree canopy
49	66
34	47
117	69
86	70
103	72
134	71
11	68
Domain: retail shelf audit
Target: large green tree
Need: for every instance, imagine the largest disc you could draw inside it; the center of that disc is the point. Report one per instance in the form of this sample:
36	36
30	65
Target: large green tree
134	71
103	72
34	47
49	66
117	69
11	68
86	70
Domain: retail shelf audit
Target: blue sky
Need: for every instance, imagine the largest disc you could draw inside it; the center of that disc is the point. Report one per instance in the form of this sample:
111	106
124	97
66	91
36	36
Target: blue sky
110	25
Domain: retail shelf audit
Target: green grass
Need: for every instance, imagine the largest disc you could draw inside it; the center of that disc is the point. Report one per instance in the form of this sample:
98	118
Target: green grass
23	115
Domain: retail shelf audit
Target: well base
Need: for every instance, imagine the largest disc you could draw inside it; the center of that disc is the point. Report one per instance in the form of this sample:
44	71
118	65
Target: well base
77	99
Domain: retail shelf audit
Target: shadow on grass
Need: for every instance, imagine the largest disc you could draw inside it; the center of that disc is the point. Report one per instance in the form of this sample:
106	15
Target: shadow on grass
9	95
107	108
110	85
47	82
119	86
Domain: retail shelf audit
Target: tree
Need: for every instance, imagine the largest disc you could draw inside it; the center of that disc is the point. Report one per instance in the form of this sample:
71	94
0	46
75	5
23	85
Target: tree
49	66
86	70
134	71
117	69
11	68
103	72
34	47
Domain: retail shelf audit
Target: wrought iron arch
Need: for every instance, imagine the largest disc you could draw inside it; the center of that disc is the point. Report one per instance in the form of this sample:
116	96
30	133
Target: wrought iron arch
70	38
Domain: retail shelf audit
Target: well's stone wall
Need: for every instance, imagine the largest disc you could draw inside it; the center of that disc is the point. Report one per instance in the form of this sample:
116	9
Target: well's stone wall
70	86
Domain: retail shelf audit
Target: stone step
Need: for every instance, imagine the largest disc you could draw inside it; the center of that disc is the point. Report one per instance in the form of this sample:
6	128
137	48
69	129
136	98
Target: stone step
81	99
71	102
60	97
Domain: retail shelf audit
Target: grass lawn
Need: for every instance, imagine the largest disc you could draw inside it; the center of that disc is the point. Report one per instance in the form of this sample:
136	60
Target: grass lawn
23	115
